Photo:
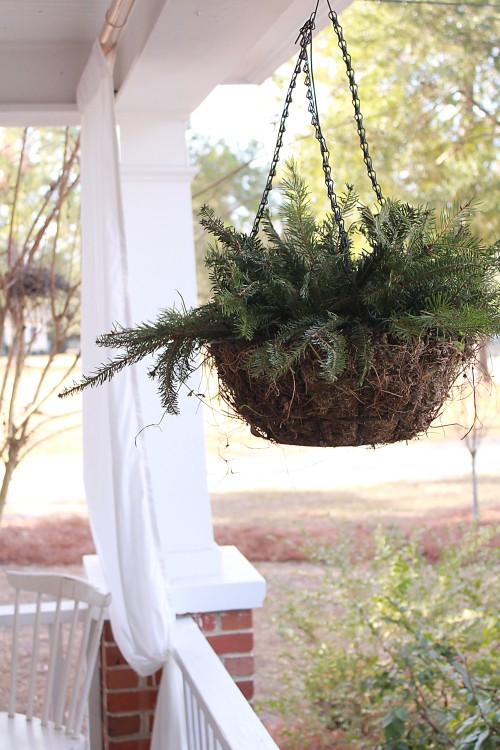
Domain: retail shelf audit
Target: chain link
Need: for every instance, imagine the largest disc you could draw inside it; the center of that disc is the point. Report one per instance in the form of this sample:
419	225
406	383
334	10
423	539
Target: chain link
327	171
356	103
304	63
304	34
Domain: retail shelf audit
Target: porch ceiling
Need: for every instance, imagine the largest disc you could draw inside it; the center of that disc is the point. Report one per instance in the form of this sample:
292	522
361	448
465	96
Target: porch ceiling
171	54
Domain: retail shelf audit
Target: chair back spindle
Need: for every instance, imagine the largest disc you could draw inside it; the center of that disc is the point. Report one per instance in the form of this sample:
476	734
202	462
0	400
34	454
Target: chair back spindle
67	622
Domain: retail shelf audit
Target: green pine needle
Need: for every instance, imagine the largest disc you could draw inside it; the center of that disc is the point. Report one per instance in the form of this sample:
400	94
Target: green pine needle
291	290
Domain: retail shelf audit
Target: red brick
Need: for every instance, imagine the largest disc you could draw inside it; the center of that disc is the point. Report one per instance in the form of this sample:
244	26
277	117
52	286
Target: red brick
141	743
139	700
206	622
121	726
129	713
107	633
246	687
234	643
113	656
154	679
239	666
237	620
121	678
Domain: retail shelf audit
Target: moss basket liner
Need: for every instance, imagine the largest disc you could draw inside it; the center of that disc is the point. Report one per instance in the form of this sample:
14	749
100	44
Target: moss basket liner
402	393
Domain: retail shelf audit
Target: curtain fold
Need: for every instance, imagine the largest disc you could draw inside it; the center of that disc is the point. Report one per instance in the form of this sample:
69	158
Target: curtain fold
118	489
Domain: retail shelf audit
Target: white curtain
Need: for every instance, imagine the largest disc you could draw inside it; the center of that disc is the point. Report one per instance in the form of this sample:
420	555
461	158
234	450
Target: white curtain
119	495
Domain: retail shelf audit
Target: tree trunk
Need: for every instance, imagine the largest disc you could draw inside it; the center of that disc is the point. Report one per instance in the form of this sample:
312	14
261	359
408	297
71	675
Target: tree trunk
475	499
10	466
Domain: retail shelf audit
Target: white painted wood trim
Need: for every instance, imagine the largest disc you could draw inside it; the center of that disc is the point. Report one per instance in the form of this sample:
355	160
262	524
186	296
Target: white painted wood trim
146	173
36	116
220	701
238	586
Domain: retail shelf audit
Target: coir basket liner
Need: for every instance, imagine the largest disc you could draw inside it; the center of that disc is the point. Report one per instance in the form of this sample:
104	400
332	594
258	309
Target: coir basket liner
402	393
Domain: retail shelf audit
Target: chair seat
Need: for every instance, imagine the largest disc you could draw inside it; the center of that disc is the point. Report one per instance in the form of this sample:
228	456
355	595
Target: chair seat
16	733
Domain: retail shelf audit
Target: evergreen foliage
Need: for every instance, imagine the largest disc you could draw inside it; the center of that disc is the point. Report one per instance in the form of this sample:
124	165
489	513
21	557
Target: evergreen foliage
229	179
297	287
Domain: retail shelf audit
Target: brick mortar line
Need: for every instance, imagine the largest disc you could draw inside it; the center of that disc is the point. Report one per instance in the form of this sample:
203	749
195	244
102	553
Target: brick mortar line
120	691
226	632
127	715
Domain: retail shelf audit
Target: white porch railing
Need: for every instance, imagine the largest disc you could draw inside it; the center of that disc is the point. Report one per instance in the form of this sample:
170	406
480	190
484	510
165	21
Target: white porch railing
218	717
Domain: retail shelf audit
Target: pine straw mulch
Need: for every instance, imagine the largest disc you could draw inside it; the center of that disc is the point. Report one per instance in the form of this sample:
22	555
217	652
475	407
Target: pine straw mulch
63	540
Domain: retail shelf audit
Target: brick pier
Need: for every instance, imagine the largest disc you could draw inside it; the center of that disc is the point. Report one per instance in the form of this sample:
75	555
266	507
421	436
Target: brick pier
128	700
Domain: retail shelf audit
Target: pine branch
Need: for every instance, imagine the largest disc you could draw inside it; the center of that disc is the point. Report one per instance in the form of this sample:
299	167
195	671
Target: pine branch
292	291
103	374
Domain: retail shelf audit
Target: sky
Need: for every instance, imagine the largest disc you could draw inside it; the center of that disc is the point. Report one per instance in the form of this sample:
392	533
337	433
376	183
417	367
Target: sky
239	114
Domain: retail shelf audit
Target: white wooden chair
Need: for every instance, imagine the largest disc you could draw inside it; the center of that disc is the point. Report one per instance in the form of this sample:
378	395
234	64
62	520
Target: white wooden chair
67	621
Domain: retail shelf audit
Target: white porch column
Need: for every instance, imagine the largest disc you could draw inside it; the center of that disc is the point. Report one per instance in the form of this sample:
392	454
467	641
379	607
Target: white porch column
156	179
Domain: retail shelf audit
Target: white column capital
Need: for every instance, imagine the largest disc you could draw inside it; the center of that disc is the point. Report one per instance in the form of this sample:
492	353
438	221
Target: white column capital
152	139
154	173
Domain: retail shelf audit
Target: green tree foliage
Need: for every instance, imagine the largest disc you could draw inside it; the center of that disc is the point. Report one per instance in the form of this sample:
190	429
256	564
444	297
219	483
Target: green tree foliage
231	182
429	79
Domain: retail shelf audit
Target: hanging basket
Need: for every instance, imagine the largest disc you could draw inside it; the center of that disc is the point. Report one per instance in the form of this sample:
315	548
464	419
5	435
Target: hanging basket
314	345
402	393
406	383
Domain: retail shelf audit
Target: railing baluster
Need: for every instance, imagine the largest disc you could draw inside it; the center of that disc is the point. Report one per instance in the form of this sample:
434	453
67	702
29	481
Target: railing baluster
207	741
15	650
196	722
217	715
201	726
187	712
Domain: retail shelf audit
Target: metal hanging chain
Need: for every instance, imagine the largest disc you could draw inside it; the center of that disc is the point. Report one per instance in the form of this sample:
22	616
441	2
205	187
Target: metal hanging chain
327	171
356	103
304	62
303	36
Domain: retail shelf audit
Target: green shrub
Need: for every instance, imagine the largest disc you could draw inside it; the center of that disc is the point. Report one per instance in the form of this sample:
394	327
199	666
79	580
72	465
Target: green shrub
394	653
